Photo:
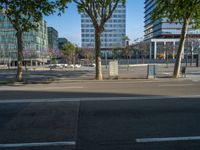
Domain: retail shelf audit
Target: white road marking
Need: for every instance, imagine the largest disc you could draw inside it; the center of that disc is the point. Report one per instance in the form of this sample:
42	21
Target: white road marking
54	100
44	144
167	139
174	85
67	87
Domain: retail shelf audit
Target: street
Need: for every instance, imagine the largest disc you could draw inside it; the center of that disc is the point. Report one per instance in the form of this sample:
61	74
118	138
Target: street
123	125
108	115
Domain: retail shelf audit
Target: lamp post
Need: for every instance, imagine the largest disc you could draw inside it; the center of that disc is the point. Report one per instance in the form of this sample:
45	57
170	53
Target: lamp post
106	57
106	46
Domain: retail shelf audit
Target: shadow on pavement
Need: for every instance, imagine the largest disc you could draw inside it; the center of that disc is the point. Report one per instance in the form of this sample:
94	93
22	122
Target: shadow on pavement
43	122
45	77
52	94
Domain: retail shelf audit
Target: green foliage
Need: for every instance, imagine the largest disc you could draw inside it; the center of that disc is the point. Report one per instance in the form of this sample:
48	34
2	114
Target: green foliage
69	51
178	10
125	38
24	15
62	5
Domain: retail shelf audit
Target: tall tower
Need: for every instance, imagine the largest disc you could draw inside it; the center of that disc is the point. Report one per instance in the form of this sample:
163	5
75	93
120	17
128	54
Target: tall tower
112	37
162	33
162	28
52	38
35	42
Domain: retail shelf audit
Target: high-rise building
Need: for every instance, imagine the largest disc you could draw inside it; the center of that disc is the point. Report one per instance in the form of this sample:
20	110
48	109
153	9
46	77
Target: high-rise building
35	42
114	30
61	42
161	32
52	38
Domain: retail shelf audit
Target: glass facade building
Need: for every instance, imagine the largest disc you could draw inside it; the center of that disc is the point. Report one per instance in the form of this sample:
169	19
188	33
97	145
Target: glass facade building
35	42
112	37
162	28
61	42
163	35
52	38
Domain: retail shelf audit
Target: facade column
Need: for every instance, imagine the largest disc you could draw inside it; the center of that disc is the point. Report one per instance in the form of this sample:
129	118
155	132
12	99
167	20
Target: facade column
173	53
164	53
192	52
155	50
150	51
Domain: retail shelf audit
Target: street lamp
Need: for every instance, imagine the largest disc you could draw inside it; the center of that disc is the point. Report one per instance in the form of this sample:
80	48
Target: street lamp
106	57
106	47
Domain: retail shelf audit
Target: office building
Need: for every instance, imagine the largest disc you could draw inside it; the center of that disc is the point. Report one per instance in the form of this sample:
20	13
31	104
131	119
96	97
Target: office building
161	32
35	43
52	39
61	42
114	31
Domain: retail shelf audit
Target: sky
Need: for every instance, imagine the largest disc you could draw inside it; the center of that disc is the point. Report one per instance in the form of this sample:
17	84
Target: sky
68	24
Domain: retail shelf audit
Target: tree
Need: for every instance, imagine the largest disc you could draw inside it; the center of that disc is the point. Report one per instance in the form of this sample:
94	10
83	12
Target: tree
25	15
69	51
99	11
88	54
116	52
143	47
28	55
126	40
185	12
53	55
127	50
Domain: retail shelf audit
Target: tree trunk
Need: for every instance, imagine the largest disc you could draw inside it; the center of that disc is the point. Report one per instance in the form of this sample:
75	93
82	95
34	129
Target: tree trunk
97	56
180	48
19	76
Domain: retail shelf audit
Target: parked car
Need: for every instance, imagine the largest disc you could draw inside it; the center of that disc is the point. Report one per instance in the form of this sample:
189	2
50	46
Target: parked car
65	65
92	65
54	66
77	66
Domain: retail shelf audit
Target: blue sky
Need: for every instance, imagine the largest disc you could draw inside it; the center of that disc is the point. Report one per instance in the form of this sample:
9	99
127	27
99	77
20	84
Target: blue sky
69	24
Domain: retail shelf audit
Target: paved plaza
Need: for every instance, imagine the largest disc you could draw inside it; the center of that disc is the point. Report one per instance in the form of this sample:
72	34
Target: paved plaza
138	71
66	109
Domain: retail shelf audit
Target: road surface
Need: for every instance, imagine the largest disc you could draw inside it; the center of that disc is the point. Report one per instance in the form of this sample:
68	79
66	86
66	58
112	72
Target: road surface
161	115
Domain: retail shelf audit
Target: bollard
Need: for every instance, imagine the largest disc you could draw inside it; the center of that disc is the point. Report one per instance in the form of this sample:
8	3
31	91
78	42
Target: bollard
183	71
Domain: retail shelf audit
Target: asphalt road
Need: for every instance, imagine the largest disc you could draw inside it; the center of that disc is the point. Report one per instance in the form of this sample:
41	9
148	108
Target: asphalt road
107	88
120	115
108	124
40	123
118	125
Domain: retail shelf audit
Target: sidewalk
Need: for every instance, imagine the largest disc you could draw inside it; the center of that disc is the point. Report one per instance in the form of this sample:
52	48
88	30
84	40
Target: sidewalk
126	72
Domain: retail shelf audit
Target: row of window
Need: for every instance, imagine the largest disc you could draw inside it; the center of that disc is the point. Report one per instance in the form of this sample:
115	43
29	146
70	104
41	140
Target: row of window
110	21
107	31
105	35
103	40
106	26
108	45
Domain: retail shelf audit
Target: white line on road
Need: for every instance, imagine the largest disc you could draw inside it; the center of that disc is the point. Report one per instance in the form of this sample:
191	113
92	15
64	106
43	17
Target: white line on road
54	100
174	85
69	87
167	139
45	144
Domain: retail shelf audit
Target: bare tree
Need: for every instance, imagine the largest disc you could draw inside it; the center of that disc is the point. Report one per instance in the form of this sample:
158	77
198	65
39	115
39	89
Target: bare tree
143	47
